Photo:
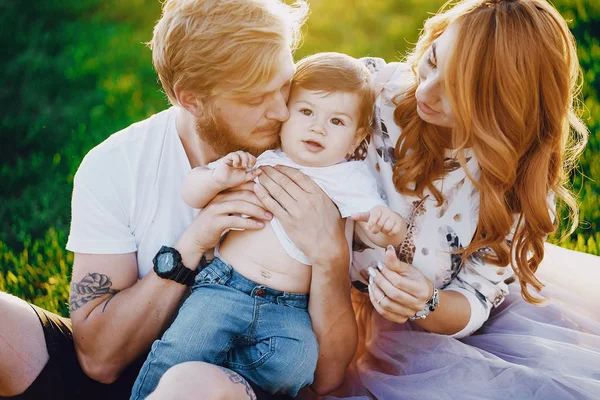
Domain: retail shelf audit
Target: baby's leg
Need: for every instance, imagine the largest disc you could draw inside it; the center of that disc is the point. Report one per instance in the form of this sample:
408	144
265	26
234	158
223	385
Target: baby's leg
202	331
286	351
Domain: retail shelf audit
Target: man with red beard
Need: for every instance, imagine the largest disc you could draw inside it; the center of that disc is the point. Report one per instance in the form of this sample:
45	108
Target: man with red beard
226	67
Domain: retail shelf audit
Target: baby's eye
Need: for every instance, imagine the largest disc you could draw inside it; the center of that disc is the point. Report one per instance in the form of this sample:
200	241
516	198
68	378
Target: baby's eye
337	121
306	112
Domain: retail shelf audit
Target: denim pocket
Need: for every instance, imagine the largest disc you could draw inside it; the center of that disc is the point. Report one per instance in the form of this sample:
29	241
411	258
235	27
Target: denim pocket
293	303
206	276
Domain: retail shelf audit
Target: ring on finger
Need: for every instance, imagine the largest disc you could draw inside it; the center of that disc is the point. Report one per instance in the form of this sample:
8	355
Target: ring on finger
381	299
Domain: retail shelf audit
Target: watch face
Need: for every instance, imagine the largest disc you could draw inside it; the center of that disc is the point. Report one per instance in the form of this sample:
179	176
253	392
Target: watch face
165	262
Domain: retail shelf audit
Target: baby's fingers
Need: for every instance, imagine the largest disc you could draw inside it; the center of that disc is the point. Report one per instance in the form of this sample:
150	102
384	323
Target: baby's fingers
244	159
390	227
374	224
236	159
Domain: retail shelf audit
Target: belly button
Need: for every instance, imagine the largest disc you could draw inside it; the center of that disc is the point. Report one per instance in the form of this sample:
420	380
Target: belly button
265	274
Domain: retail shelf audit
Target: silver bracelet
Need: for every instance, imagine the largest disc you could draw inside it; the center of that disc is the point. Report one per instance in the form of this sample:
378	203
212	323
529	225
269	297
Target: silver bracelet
430	306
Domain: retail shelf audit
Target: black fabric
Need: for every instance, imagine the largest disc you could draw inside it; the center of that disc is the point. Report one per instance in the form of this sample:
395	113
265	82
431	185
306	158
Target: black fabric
63	379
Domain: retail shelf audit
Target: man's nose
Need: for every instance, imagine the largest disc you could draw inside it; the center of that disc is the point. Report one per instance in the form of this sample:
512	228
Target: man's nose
277	109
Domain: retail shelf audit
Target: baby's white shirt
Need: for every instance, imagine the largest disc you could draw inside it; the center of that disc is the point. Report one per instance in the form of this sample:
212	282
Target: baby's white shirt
349	184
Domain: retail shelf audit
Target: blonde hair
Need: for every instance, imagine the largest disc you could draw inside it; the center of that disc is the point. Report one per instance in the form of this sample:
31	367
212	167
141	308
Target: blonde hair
512	80
226	47
337	72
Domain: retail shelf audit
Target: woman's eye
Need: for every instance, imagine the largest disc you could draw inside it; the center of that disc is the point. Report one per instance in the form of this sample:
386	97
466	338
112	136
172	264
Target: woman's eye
337	121
306	111
430	62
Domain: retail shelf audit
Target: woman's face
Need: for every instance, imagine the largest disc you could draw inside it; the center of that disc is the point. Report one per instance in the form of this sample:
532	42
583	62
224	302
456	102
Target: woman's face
432	103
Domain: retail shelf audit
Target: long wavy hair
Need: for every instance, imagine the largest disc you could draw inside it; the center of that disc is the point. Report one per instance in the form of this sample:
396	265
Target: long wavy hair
512	79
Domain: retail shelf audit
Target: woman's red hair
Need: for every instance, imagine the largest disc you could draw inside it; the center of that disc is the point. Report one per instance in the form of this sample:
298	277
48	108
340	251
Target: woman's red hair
512	80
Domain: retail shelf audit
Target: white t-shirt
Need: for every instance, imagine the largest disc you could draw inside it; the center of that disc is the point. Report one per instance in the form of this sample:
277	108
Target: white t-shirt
127	192
350	185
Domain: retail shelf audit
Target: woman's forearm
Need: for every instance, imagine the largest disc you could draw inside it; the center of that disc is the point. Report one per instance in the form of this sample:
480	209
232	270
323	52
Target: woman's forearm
334	323
451	316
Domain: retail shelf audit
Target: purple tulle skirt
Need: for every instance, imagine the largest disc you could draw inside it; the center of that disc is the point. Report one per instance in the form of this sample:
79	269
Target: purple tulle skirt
521	352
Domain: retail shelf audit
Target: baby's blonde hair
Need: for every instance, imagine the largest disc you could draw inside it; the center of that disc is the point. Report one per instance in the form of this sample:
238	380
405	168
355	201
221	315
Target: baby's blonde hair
336	72
223	47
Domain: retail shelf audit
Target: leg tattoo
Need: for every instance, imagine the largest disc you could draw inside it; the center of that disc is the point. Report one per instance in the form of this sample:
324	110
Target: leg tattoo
234	377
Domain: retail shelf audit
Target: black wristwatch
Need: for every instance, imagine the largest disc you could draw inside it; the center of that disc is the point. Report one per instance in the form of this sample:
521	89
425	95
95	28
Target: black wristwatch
168	265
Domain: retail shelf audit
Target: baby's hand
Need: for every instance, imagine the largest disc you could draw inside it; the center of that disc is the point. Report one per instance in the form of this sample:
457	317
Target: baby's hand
234	169
381	219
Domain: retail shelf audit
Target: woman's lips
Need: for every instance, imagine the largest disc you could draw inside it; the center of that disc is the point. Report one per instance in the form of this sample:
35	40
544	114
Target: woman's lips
426	109
312	146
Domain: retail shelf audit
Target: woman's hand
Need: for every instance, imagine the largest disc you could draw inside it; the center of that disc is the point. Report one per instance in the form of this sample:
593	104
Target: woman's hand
309	217
398	290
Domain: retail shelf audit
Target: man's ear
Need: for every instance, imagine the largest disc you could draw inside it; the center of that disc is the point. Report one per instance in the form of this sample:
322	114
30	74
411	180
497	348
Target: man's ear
189	101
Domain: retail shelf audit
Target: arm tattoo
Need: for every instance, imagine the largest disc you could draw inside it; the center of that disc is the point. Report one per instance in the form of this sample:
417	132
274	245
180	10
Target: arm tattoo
234	377
91	287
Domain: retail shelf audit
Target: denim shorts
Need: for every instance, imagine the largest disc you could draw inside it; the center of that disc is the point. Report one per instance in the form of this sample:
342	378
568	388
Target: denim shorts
263	334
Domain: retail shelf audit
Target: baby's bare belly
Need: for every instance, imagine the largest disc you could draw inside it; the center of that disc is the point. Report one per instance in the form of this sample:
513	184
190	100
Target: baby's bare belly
259	256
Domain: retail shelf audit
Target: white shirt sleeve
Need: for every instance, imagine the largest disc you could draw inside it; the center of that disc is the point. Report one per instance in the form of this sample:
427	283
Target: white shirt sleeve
99	212
354	191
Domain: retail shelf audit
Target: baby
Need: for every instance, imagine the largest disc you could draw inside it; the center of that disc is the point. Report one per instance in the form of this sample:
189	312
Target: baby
248	310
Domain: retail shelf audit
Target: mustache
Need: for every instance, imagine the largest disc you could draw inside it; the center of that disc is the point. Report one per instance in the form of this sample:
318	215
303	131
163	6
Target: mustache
269	127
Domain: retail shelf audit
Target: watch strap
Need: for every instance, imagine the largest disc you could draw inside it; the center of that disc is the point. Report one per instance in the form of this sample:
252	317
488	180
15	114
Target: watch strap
179	273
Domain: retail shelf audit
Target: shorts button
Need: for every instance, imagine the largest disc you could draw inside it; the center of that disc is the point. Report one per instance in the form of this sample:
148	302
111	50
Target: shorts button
260	292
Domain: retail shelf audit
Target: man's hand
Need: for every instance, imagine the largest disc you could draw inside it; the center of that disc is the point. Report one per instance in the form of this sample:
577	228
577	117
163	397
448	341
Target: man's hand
220	215
234	169
307	215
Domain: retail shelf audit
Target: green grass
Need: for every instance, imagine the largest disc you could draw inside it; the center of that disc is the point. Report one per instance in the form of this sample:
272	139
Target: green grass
76	71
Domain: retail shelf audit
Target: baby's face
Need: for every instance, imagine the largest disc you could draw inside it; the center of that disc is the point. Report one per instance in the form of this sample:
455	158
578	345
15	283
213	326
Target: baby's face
322	128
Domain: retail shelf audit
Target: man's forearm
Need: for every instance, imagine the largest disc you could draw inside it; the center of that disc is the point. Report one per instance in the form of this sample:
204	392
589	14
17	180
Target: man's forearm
121	328
334	324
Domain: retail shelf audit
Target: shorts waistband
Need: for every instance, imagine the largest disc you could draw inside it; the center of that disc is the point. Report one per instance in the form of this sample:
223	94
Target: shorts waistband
225	273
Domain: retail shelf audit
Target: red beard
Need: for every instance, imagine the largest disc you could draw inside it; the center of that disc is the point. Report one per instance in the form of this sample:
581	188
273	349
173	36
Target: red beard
215	132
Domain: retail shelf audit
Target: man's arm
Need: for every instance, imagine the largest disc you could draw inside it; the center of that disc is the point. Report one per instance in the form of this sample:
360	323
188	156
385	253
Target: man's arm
333	319
116	317
313	222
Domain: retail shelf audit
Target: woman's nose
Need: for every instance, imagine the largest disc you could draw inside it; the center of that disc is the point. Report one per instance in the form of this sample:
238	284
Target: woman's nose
427	91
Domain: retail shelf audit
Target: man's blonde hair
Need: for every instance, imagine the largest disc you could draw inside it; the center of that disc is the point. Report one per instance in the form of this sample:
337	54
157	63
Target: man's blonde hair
336	72
226	47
